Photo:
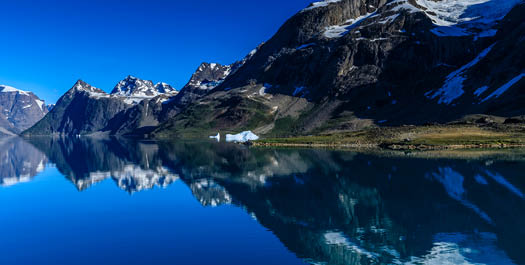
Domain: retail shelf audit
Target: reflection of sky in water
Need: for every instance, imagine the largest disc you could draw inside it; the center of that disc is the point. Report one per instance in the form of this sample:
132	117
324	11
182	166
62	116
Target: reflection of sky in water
240	204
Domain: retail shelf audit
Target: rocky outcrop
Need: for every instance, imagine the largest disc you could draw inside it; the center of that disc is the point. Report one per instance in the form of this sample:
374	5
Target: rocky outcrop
19	110
140	119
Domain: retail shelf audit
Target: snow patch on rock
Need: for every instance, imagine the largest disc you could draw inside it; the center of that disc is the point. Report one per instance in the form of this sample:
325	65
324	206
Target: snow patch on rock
452	89
498	92
7	89
465	17
134	90
338	31
320	4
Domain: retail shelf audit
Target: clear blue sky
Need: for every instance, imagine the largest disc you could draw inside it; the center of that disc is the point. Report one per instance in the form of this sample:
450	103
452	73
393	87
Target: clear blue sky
47	45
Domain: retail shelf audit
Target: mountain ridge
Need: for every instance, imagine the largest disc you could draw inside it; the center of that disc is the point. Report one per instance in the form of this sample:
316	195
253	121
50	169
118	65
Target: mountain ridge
337	66
362	74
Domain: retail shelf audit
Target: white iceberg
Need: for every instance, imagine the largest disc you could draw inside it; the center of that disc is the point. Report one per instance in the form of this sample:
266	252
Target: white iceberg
241	137
218	137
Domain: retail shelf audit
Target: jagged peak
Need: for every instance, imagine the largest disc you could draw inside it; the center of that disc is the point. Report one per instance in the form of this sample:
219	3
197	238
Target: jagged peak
210	66
134	89
165	88
134	79
131	85
81	82
80	85
209	75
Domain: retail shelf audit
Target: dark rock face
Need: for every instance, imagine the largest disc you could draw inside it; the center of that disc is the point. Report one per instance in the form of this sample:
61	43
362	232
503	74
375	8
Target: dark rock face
19	110
134	105
82	110
205	78
139	119
364	62
496	83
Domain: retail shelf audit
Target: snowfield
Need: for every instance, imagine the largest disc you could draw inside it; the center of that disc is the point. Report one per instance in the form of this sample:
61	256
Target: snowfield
7	89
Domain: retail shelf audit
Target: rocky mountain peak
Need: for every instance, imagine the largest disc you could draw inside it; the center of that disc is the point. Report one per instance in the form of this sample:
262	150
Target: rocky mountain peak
209	75
133	86
162	87
134	89
10	89
83	86
19	109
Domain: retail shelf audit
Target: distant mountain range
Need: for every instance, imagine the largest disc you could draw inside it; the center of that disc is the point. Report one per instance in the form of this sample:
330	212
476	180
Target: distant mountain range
135	107
85	109
338	65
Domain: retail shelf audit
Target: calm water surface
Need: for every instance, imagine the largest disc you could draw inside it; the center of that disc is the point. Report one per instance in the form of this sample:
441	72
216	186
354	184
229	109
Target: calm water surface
115	201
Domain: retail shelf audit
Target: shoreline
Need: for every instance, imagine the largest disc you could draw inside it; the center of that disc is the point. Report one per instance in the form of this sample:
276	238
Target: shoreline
430	137
392	147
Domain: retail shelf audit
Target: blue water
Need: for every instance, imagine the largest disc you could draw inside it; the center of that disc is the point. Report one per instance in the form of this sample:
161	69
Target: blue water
116	201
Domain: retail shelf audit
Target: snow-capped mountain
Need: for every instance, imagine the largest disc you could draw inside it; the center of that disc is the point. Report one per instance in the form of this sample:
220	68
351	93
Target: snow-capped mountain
85	109
19	110
351	64
207	77
336	65
134	89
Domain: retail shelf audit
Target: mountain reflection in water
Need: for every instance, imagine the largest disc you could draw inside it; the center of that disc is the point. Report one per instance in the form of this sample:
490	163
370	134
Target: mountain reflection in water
326	207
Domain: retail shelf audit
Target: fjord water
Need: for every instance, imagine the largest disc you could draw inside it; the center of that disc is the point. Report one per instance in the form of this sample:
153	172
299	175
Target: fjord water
117	201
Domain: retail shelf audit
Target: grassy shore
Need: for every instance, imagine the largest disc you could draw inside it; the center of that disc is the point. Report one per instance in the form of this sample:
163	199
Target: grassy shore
432	137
